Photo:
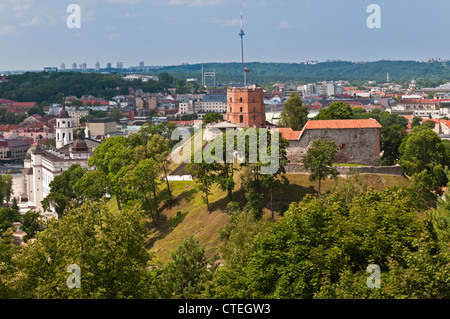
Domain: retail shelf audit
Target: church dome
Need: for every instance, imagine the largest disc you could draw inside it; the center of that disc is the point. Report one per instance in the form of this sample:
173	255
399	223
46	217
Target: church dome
63	114
79	145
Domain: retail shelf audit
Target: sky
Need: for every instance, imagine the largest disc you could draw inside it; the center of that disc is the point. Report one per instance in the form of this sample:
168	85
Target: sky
34	33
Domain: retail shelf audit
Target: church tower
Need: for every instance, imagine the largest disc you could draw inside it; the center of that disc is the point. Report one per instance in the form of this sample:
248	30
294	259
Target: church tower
245	107
63	128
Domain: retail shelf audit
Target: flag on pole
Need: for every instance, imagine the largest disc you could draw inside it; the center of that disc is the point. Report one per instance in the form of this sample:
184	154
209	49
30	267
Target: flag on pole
247	70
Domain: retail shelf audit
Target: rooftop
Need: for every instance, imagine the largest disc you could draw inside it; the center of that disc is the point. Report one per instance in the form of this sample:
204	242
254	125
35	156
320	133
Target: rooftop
341	124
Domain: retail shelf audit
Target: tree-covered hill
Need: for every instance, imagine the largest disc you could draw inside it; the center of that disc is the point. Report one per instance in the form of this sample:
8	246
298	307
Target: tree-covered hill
43	87
264	73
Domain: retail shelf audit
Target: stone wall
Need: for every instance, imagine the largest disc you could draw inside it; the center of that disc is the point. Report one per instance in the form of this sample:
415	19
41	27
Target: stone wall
296	168
356	146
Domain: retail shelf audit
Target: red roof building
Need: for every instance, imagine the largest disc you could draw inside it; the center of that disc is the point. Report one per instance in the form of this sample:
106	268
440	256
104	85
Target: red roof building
341	124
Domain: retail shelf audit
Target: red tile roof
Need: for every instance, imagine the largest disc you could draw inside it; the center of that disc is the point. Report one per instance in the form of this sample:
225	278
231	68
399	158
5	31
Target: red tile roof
289	134
341	124
8	127
23	104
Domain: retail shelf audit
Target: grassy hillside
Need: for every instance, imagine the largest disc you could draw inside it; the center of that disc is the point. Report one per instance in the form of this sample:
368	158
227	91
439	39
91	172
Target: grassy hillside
188	216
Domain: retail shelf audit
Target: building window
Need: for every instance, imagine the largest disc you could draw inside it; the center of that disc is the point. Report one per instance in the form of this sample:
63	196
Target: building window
240	100
231	99
241	109
241	119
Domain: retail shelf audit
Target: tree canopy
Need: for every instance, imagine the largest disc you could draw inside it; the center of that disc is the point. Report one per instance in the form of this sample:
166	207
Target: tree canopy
294	114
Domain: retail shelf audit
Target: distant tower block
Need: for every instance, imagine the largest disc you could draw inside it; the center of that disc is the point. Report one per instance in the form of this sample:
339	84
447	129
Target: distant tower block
245	107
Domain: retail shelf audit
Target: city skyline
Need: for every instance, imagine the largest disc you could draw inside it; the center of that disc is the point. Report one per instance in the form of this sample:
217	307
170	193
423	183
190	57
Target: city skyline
200	31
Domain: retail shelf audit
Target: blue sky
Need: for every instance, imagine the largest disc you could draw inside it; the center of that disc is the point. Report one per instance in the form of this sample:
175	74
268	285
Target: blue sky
34	34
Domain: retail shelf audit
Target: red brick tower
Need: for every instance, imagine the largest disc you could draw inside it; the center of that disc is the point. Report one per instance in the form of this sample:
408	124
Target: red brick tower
245	106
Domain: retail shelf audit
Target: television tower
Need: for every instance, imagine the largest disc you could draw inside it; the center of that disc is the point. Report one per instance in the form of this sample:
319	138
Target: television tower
241	34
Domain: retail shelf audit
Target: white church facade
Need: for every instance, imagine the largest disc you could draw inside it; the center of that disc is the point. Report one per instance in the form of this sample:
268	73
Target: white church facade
42	164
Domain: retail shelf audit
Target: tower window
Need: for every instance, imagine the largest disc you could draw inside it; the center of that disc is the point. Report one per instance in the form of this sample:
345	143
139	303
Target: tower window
240	100
241	109
231	99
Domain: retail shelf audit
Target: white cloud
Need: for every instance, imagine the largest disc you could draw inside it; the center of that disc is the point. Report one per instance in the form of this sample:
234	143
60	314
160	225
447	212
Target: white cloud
132	15
31	22
114	36
199	3
8	30
285	25
226	23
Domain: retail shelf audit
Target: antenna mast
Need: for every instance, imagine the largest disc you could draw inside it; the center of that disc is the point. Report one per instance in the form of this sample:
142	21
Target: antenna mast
241	34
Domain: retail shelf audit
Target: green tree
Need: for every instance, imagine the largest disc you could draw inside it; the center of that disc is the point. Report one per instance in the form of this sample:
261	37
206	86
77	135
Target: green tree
318	160
107	245
36	110
62	193
31	224
254	197
429	124
294	114
7	217
93	186
76	103
416	122
187	274
113	157
212	118
116	115
205	177
391	138
423	150
335	111
143	177
441	217
322	247
6	183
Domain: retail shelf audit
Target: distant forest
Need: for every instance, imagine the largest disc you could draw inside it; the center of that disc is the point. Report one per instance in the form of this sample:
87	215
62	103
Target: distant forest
427	74
42	87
